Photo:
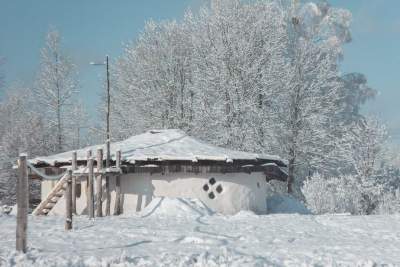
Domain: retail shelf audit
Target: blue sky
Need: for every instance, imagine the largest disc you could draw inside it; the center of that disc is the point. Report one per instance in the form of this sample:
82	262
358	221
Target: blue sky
91	29
375	51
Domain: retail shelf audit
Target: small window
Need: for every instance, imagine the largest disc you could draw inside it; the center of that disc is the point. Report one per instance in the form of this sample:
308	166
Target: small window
205	187
212	181
211	195
219	189
258	184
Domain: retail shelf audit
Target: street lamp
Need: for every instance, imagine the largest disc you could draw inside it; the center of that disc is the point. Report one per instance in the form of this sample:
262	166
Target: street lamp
108	158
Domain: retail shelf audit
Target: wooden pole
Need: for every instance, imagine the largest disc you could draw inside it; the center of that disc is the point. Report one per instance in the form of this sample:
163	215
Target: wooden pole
90	189
108	152
74	167
99	183
108	156
88	156
117	207
22	204
68	202
108	195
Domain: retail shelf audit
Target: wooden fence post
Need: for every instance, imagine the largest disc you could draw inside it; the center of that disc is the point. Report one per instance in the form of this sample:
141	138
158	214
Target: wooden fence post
99	183
68	202
74	167
117	206
108	196
88	156
90	189
22	204
107	177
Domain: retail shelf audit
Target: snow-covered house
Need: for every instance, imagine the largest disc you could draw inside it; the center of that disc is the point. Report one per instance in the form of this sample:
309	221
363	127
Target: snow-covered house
171	163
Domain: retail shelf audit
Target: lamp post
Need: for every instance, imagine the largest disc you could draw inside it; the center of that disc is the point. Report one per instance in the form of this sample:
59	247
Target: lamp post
108	156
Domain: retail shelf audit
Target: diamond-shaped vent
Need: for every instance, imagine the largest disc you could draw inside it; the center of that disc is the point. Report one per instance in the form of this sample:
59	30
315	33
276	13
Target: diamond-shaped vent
212	181
219	189
205	187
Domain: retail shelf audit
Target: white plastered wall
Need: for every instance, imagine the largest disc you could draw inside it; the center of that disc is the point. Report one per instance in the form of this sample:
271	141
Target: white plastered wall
240	191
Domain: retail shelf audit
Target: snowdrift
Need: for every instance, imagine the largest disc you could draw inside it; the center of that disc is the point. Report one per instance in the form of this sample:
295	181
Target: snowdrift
193	208
285	204
178	207
244	239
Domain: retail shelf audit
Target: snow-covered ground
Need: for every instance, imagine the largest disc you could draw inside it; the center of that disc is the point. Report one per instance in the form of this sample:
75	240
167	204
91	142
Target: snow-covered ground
182	232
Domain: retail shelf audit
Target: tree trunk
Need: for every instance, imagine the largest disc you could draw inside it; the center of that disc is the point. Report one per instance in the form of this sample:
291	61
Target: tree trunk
290	178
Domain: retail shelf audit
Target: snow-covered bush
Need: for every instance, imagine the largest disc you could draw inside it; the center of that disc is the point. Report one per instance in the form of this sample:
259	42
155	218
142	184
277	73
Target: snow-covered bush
389	203
333	195
350	194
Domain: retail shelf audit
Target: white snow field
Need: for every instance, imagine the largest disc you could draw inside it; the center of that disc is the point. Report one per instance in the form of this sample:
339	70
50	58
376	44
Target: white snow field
183	232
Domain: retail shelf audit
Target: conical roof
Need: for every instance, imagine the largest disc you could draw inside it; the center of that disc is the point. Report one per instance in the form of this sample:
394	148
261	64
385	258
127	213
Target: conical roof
163	145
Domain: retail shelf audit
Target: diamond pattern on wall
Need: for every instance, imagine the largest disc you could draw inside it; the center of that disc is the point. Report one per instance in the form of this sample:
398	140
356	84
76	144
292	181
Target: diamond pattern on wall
209	186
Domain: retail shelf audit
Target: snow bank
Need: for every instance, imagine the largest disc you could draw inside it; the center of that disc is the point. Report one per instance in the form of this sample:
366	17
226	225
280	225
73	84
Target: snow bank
244	239
285	204
244	214
177	207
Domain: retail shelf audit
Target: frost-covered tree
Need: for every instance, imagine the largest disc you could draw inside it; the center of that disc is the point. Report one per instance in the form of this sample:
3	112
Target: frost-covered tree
78	124
389	202
55	87
367	148
251	75
368	181
153	80
368	140
238	62
392	155
201	75
321	23
309	99
356	93
389	170
21	131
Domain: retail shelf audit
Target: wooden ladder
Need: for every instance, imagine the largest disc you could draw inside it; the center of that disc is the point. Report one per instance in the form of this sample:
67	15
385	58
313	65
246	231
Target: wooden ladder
52	198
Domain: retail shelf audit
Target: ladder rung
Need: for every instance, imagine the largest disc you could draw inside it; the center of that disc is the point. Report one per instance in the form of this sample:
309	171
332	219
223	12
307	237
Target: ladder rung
47	204
50	205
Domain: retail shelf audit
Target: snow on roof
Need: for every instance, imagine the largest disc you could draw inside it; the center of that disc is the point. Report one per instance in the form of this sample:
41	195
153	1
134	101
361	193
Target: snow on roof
161	145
